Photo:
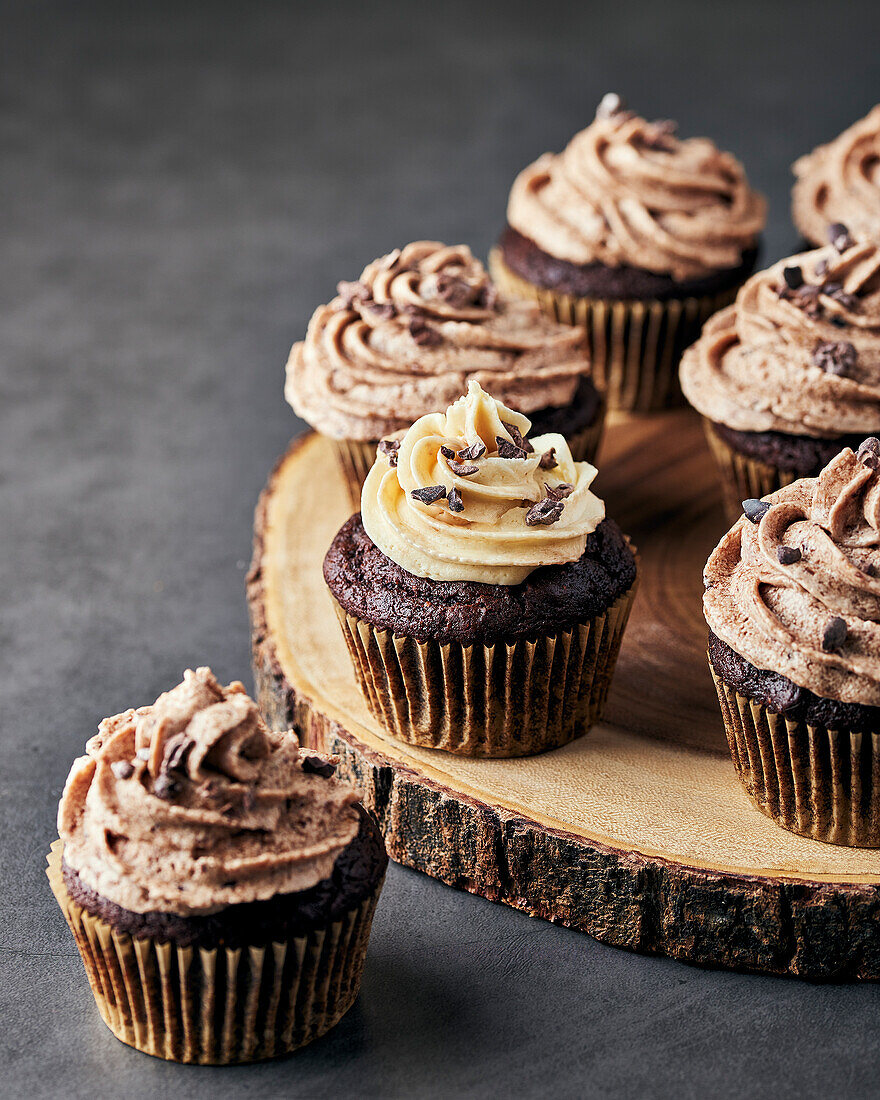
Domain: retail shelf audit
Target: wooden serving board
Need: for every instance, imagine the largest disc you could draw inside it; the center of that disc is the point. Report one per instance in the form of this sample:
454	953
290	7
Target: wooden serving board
639	833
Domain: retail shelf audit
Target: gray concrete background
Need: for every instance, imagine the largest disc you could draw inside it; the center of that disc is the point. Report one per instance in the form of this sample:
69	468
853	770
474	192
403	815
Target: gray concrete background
180	185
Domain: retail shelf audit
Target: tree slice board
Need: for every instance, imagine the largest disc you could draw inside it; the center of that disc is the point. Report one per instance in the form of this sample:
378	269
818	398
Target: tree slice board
639	833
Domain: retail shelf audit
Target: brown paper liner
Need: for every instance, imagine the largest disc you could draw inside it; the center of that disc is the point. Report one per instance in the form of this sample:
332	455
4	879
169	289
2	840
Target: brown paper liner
220	1006
743	477
635	346
814	781
356	458
497	700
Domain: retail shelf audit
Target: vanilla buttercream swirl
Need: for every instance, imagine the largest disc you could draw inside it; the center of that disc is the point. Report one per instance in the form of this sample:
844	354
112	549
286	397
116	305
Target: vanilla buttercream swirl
839	183
495	519
628	192
763	363
777	616
409	335
192	805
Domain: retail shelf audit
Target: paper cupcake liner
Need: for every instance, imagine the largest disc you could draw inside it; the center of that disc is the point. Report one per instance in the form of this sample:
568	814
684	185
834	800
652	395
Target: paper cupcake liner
817	782
220	1006
498	700
743	477
635	345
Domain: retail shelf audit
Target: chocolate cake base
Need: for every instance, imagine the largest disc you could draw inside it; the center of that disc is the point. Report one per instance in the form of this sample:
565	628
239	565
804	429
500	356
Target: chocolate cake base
372	587
782	696
596	280
803	455
567	420
356	874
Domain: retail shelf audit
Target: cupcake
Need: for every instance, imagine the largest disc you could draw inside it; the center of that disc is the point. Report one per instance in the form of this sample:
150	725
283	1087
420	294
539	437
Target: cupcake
838	186
790	374
481	591
635	234
793	606
219	882
408	336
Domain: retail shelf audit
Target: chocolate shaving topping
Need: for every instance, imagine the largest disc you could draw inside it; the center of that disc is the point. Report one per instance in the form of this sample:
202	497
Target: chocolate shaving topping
838	235
430	494
456	292
560	491
381	311
869	453
469	454
517	437
177	749
794	277
548	459
544	513
506	449
389	448
424	335
821	267
456	504
166	787
122	769
610	105
834	357
352	292
447	452
838	321
462	470
755	509
867	568
788	555
837	294
314	765
834	634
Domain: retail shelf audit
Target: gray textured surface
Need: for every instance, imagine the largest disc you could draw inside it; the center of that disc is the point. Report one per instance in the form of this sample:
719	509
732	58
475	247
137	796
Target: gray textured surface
180	186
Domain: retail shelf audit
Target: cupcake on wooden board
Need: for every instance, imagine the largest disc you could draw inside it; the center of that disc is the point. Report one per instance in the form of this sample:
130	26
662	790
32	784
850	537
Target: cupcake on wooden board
838	185
637	235
406	338
219	881
793	606
481	590
790	374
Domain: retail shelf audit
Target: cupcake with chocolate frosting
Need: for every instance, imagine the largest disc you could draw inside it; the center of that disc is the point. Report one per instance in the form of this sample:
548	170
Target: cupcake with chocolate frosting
838	185
635	234
409	335
793	606
481	590
219	881
790	374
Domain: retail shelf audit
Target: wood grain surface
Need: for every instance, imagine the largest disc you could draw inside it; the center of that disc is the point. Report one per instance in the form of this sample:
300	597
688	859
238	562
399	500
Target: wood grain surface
639	833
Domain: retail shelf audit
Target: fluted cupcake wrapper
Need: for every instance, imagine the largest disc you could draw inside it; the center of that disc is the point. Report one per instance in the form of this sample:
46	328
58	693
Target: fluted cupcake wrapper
743	477
501	700
817	782
356	458
219	1006
635	345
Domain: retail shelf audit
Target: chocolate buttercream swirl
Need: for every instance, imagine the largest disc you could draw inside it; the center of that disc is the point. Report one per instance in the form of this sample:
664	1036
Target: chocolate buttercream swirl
815	620
629	192
840	183
799	350
192	805
409	335
468	497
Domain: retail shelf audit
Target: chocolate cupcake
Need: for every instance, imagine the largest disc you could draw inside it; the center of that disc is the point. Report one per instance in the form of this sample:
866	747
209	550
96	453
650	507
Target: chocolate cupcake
220	882
636	235
838	185
793	606
790	374
409	335
481	591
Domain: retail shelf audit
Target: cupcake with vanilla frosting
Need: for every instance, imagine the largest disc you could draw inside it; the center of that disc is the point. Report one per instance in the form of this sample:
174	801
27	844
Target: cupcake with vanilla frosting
482	592
792	602
790	374
635	234
837	191
219	881
409	335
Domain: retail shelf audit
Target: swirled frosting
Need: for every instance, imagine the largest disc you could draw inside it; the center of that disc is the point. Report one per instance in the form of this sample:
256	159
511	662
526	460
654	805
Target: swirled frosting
192	805
815	619
465	496
409	335
840	183
802	359
627	191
